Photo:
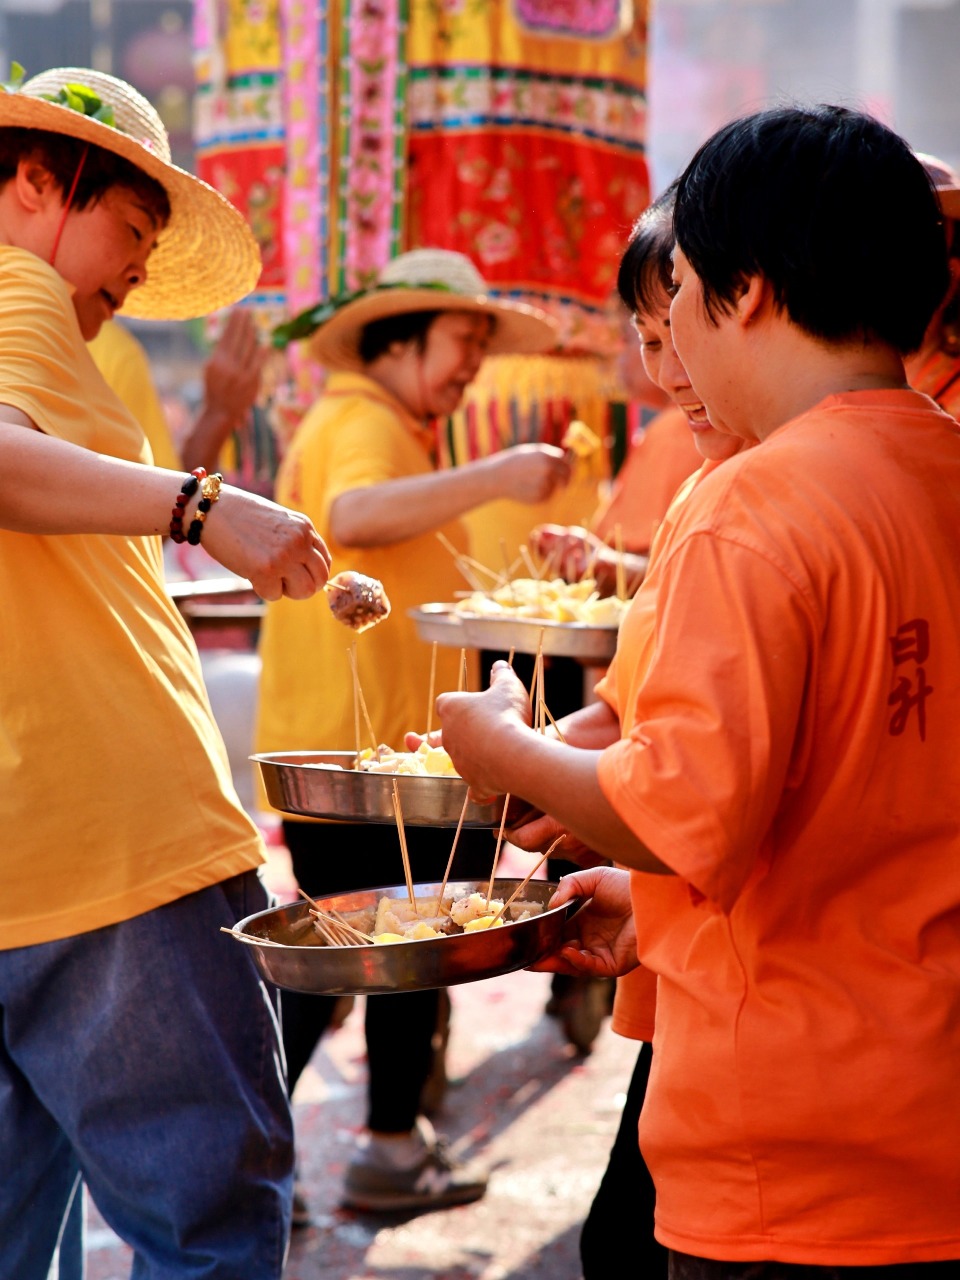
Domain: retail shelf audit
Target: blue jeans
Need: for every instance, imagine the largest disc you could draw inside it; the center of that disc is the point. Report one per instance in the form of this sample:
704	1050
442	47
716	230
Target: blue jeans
147	1055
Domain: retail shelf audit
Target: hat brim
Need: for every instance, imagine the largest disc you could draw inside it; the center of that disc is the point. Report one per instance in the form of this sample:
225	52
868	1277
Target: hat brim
206	256
519	329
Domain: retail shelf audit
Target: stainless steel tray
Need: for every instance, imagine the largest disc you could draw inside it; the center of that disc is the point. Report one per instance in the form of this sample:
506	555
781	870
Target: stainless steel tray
289	953
439	622
560	639
302	782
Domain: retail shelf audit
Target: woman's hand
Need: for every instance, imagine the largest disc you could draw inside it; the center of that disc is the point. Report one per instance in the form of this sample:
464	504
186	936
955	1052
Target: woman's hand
277	549
535	832
600	939
569	550
530	472
474	725
573	552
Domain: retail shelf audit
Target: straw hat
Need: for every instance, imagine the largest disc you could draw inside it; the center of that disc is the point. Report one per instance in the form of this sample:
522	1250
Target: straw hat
946	182
422	280
206	256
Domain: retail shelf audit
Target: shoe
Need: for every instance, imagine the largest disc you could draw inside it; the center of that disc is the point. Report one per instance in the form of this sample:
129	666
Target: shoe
435	1182
302	1216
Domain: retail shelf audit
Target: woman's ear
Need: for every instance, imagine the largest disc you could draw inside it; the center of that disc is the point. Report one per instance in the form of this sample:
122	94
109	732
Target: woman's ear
35	185
755	292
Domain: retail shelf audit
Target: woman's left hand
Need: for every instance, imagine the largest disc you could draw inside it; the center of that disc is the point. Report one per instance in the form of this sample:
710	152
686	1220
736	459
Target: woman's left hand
600	940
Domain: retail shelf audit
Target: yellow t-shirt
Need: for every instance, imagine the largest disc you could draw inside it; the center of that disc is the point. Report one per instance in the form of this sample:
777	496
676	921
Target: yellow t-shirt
115	792
124	364
355	436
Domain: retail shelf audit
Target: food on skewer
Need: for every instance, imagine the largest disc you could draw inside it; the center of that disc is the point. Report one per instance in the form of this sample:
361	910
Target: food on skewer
425	760
357	601
552	600
580	440
397	920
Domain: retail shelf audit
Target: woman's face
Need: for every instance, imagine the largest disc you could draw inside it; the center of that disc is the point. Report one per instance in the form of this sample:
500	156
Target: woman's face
439	374
664	367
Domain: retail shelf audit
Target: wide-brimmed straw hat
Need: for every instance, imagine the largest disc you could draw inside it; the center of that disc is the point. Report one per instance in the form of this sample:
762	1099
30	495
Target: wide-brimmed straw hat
206	256
946	182
421	280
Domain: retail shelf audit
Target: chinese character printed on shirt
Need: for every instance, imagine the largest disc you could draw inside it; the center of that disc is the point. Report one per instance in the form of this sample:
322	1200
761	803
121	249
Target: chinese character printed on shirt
910	644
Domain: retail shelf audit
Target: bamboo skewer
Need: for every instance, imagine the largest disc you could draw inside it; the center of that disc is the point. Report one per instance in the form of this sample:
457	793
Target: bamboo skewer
453	850
250	937
462	674
621	566
404	852
332	925
433	686
496	855
356	704
461	562
526	880
531	567
360	697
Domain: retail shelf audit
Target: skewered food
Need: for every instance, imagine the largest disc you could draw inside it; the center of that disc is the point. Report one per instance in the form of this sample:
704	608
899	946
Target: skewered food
551	599
425	760
580	440
398	920
359	602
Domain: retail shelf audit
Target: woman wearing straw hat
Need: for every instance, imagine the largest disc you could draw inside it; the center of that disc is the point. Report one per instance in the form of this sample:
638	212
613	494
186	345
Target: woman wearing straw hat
361	465
138	1046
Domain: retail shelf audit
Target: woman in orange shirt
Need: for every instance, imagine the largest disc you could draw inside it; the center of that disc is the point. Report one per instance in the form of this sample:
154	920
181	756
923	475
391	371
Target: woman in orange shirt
781	798
935	368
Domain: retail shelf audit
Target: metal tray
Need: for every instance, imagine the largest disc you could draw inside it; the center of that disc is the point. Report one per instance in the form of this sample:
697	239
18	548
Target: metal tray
560	639
439	622
292	955
298	782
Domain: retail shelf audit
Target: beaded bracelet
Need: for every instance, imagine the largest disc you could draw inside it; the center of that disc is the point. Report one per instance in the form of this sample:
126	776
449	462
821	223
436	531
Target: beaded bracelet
183	497
209	494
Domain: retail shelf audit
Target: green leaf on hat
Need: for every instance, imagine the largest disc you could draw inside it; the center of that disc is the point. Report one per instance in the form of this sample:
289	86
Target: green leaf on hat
77	97
309	321
16	79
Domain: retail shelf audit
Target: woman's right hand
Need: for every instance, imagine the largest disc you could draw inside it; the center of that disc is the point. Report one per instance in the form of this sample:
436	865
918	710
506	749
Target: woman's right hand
530	472
277	549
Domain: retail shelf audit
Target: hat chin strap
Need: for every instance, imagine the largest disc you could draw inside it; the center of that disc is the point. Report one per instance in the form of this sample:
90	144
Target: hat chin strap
66	205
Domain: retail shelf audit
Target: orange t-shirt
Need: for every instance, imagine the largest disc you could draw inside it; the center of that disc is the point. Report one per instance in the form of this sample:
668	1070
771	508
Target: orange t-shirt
939	378
793	758
635	1002
655	468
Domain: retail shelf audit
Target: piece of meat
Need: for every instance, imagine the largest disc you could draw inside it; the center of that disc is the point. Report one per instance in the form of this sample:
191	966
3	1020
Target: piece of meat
357	601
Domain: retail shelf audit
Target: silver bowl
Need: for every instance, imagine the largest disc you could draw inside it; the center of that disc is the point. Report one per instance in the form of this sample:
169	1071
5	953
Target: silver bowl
289	952
439	622
588	644
308	783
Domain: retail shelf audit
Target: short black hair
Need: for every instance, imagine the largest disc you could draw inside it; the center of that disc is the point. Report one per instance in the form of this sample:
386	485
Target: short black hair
646	268
378	336
832	208
61	154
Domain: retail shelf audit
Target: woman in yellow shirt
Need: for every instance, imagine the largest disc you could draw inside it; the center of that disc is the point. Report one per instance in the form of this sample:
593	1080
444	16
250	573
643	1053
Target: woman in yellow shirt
362	466
124	845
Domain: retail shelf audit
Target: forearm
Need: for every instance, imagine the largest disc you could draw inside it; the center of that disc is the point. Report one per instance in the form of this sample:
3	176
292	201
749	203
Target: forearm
562	780
590	728
49	486
206	437
397	510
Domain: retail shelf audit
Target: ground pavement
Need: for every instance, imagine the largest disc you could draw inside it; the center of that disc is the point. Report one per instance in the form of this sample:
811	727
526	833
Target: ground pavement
539	1116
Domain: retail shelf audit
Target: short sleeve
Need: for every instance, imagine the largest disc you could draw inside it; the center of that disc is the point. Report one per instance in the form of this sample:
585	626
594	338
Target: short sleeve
715	722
